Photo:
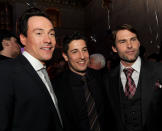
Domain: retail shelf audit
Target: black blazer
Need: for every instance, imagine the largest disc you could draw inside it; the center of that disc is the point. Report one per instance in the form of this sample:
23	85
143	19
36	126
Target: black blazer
65	95
25	104
151	95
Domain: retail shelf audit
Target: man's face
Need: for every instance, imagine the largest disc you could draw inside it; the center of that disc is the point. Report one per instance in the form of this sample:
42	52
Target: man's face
127	45
12	47
77	56
40	41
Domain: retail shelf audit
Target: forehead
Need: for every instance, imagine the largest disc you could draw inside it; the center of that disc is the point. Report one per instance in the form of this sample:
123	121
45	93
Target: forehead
77	44
39	22
122	34
10	38
13	38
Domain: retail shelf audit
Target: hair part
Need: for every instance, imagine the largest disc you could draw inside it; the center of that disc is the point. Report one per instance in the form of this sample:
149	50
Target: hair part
123	27
23	21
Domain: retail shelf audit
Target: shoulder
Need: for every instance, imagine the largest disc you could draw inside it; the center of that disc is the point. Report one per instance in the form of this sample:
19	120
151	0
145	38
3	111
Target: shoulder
94	73
7	65
61	78
13	65
151	66
115	71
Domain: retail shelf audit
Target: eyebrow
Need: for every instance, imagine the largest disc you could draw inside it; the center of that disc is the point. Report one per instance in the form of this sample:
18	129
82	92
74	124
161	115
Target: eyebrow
39	29
121	40
126	39
73	50
134	37
77	49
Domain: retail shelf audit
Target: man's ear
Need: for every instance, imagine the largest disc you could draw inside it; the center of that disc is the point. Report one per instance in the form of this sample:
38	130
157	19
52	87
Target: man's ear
23	39
65	56
114	49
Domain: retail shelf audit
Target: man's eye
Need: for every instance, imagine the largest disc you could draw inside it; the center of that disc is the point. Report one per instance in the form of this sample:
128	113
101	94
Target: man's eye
74	52
122	42
134	39
85	50
52	34
38	33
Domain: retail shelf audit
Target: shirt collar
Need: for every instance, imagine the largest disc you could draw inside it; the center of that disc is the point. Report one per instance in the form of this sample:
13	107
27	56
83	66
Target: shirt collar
136	65
36	64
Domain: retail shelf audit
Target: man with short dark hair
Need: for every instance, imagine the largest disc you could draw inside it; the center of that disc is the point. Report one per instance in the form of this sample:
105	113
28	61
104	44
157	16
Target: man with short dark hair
134	88
27	99
9	45
80	89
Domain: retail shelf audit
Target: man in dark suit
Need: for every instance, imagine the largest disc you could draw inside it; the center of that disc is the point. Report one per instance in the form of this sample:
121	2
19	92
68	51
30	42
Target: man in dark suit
134	87
72	84
27	101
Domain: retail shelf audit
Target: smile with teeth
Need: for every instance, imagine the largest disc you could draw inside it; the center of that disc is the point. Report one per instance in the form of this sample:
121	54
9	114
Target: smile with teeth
81	62
46	48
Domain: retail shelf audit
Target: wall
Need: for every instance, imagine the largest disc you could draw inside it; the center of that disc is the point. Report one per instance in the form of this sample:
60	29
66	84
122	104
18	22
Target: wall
97	25
71	19
145	16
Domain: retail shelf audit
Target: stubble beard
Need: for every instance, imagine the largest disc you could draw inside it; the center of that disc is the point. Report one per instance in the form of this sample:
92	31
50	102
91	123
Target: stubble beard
126	59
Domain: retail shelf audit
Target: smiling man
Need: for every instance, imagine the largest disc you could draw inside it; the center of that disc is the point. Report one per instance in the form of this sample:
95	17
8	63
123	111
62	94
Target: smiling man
85	113
27	99
134	86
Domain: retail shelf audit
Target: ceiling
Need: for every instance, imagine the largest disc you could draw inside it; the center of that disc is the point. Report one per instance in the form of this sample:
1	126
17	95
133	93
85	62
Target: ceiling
71	3
74	3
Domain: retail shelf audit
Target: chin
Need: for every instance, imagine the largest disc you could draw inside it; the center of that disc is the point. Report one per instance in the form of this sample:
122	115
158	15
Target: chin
83	70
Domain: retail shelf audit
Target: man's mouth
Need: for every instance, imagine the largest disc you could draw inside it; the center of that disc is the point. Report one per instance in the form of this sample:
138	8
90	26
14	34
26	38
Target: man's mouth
46	48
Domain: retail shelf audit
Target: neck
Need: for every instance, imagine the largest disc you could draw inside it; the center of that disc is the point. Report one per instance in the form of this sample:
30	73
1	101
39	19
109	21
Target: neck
4	53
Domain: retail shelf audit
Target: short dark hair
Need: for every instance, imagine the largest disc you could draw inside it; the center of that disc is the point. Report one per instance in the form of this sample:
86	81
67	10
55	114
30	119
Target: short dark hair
23	21
69	38
123	27
5	35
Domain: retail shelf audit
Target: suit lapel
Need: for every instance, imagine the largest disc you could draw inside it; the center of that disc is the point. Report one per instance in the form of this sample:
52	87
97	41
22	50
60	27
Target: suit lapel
146	90
39	84
36	79
114	91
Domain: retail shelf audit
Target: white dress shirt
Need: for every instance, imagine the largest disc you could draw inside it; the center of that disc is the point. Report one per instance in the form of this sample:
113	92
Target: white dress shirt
135	75
37	65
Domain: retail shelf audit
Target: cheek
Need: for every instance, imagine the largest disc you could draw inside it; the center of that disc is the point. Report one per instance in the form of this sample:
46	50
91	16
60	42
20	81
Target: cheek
53	41
73	58
86	55
120	49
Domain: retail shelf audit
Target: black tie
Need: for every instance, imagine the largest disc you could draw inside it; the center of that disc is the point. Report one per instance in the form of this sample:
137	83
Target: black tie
91	109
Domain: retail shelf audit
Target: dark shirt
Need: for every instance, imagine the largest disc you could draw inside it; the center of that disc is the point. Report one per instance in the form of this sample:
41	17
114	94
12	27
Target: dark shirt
79	98
2	57
70	93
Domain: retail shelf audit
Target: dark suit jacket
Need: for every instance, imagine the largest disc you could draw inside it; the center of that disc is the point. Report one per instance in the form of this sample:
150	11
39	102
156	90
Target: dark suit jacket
25	104
151	95
65	94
